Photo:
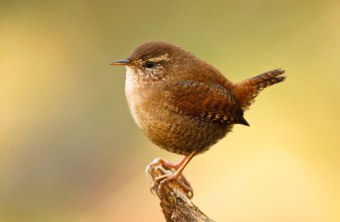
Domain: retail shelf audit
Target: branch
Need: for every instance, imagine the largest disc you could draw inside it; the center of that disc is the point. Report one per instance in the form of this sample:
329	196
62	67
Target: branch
175	202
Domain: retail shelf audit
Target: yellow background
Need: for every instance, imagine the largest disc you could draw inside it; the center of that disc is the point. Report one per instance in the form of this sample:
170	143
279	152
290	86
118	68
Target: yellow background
69	150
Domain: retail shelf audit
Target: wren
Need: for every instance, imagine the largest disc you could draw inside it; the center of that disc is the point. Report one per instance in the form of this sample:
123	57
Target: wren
183	104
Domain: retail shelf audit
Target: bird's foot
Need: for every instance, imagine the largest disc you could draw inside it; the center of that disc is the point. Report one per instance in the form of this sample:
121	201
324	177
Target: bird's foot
168	173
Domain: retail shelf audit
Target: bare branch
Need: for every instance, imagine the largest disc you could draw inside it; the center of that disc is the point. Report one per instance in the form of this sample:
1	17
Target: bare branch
175	202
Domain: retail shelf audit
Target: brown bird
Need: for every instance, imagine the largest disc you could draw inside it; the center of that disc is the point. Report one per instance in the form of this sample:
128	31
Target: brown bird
183	104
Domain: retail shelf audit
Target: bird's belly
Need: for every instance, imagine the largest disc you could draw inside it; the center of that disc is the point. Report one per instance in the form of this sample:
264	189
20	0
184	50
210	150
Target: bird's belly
175	132
183	134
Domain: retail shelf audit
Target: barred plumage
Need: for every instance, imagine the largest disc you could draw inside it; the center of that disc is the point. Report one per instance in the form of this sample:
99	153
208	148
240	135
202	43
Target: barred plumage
246	91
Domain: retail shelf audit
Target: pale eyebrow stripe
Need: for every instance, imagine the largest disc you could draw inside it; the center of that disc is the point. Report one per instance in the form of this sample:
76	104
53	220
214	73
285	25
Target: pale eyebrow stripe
163	57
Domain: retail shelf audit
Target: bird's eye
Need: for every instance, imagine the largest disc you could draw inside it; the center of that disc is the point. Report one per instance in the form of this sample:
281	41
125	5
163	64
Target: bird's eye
149	64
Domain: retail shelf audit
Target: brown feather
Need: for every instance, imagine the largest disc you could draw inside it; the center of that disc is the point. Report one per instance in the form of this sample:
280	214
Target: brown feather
205	101
246	91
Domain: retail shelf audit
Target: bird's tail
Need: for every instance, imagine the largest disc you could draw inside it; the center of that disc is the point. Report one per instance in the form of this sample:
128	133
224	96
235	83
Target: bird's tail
246	91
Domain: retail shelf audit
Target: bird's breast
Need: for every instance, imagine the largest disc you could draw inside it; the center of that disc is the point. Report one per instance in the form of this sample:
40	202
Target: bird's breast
144	99
133	97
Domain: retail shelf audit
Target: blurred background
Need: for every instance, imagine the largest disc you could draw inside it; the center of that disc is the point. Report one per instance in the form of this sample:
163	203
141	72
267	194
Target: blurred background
69	150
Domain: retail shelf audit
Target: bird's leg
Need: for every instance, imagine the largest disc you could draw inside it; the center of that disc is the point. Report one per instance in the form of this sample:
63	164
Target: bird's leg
177	169
169	165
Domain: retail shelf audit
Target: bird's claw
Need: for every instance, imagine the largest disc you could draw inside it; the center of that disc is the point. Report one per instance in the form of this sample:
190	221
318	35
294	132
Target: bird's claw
168	174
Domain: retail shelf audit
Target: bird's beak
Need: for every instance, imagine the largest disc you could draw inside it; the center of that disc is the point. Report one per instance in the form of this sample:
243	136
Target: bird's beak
125	62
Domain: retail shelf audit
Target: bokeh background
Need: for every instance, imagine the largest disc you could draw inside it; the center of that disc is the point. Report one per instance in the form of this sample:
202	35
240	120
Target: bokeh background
69	150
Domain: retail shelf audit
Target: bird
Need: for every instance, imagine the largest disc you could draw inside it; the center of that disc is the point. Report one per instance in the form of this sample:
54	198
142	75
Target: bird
183	104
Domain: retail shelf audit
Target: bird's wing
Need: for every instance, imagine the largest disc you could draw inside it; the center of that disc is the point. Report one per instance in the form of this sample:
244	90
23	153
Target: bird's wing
205	101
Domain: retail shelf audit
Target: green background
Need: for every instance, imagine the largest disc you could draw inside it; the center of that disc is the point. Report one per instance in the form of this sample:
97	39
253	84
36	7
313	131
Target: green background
69	150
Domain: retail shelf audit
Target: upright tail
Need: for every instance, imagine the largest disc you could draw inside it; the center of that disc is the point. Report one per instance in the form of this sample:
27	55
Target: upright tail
247	90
